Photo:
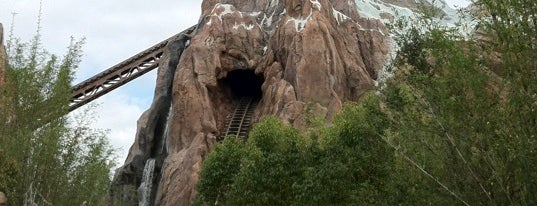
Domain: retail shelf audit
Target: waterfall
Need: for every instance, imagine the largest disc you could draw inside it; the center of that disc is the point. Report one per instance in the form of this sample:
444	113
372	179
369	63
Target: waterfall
144	191
165	134
146	187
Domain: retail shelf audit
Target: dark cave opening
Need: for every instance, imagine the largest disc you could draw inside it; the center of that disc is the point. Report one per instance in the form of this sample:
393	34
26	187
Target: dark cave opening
244	83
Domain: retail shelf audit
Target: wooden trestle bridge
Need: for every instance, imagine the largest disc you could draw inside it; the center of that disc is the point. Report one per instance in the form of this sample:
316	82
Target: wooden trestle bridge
237	122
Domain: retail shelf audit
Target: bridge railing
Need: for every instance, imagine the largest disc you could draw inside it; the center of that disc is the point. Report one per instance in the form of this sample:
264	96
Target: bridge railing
120	74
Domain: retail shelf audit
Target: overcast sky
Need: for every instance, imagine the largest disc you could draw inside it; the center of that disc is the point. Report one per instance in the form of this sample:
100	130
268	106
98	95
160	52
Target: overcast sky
114	31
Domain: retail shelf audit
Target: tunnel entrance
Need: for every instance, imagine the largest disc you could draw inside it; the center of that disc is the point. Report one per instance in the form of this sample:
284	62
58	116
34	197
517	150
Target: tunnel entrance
244	83
241	94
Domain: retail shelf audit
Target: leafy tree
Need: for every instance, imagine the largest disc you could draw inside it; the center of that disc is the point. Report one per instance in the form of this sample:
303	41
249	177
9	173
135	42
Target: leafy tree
220	170
460	113
343	164
463	110
47	157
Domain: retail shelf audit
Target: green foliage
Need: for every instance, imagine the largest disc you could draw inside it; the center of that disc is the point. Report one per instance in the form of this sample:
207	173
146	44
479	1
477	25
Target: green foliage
272	167
338	165
463	110
47	157
460	114
219	169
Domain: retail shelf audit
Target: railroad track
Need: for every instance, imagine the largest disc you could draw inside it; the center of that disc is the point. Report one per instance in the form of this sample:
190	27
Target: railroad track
238	122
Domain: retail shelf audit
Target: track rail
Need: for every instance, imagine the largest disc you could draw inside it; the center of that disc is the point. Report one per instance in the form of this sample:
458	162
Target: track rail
120	74
238	122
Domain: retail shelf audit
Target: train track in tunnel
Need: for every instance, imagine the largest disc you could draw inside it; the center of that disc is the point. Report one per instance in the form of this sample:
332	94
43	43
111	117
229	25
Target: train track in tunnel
238	121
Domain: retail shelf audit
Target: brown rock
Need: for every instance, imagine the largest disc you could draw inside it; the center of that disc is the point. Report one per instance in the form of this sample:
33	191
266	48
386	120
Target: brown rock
152	127
313	55
3	199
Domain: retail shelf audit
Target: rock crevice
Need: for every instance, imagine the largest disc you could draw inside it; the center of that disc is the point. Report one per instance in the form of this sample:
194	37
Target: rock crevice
152	130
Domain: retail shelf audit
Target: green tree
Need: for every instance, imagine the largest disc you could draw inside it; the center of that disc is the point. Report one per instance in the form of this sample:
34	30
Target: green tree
344	164
47	157
463	110
219	170
460	113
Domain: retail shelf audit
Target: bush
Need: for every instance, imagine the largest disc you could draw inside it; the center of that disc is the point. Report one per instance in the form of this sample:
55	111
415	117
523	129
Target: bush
341	165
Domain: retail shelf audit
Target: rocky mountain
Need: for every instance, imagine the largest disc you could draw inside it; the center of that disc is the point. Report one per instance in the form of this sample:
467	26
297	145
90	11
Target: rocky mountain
298	58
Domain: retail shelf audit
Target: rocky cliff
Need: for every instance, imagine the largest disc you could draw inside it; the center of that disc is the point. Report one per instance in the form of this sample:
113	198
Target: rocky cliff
297	57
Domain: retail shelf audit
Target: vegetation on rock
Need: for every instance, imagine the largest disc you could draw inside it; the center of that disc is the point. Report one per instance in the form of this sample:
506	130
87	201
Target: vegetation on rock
455	124
279	165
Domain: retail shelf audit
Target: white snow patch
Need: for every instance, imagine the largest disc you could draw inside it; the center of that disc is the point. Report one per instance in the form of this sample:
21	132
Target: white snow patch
300	22
274	3
267	21
340	17
373	30
316	4
243	25
227	10
374	8
254	14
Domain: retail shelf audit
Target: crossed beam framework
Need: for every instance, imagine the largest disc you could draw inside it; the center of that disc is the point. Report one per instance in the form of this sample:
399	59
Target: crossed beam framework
120	74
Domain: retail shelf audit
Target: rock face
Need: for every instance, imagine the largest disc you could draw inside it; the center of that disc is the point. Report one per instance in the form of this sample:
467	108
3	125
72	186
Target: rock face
311	55
3	56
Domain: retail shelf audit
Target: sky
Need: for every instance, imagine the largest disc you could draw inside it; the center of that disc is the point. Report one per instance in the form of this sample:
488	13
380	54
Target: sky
113	31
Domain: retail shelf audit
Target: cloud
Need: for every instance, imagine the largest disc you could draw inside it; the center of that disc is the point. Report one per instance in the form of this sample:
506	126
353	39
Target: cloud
118	112
114	31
